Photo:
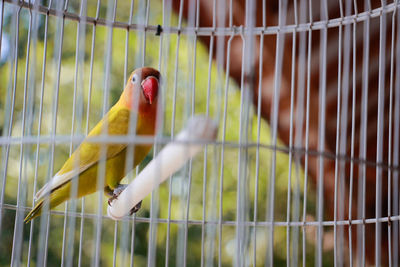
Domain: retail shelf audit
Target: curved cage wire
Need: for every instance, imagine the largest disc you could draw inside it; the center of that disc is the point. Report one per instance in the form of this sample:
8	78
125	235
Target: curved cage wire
306	163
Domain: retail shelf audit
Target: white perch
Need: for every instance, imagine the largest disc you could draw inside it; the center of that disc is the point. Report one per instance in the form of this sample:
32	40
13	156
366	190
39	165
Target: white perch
170	159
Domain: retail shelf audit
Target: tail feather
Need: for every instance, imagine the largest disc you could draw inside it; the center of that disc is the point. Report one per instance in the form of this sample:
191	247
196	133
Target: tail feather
36	211
56	198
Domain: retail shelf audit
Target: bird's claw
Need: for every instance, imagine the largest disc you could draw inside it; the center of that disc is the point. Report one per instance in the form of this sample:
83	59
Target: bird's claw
111	199
135	208
116	192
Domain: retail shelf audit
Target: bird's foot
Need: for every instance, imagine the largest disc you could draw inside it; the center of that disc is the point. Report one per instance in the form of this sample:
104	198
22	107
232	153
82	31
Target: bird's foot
135	208
116	192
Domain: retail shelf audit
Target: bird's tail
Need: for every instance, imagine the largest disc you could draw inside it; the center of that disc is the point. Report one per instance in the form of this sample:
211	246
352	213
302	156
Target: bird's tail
55	200
36	211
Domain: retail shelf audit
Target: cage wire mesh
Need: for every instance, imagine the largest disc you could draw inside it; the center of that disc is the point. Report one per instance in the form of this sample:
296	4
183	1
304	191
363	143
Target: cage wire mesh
316	185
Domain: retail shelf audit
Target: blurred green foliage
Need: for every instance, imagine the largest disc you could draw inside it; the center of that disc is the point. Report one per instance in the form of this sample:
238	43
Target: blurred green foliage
180	106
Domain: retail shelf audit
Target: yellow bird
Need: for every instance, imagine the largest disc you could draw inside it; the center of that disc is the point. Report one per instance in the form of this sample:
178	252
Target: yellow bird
138	99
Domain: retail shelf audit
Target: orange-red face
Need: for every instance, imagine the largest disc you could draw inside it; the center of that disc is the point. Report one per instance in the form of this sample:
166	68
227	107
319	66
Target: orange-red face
142	88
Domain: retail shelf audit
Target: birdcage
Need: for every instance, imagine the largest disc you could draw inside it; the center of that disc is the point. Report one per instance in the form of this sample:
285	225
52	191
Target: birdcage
305	167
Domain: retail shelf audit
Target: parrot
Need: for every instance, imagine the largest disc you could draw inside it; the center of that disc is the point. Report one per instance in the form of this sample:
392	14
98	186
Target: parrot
139	97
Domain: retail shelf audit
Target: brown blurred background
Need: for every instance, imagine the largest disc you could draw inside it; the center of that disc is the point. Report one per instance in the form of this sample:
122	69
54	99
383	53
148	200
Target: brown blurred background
338	38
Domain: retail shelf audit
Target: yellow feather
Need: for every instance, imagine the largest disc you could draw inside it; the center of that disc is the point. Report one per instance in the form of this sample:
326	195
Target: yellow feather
86	157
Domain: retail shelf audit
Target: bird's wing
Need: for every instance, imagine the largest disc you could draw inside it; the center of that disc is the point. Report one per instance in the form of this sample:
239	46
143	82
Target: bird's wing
89	153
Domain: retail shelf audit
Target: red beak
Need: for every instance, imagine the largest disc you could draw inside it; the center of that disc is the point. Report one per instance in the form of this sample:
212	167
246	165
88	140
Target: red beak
150	88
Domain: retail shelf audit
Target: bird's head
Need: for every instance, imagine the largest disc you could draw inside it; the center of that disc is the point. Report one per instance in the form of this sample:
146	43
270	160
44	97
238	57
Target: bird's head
141	88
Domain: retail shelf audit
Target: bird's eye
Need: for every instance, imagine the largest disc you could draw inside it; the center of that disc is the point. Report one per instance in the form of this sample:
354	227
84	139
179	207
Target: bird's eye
134	78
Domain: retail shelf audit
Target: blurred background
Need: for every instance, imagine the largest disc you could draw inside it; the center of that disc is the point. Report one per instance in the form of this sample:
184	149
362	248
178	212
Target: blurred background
64	63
